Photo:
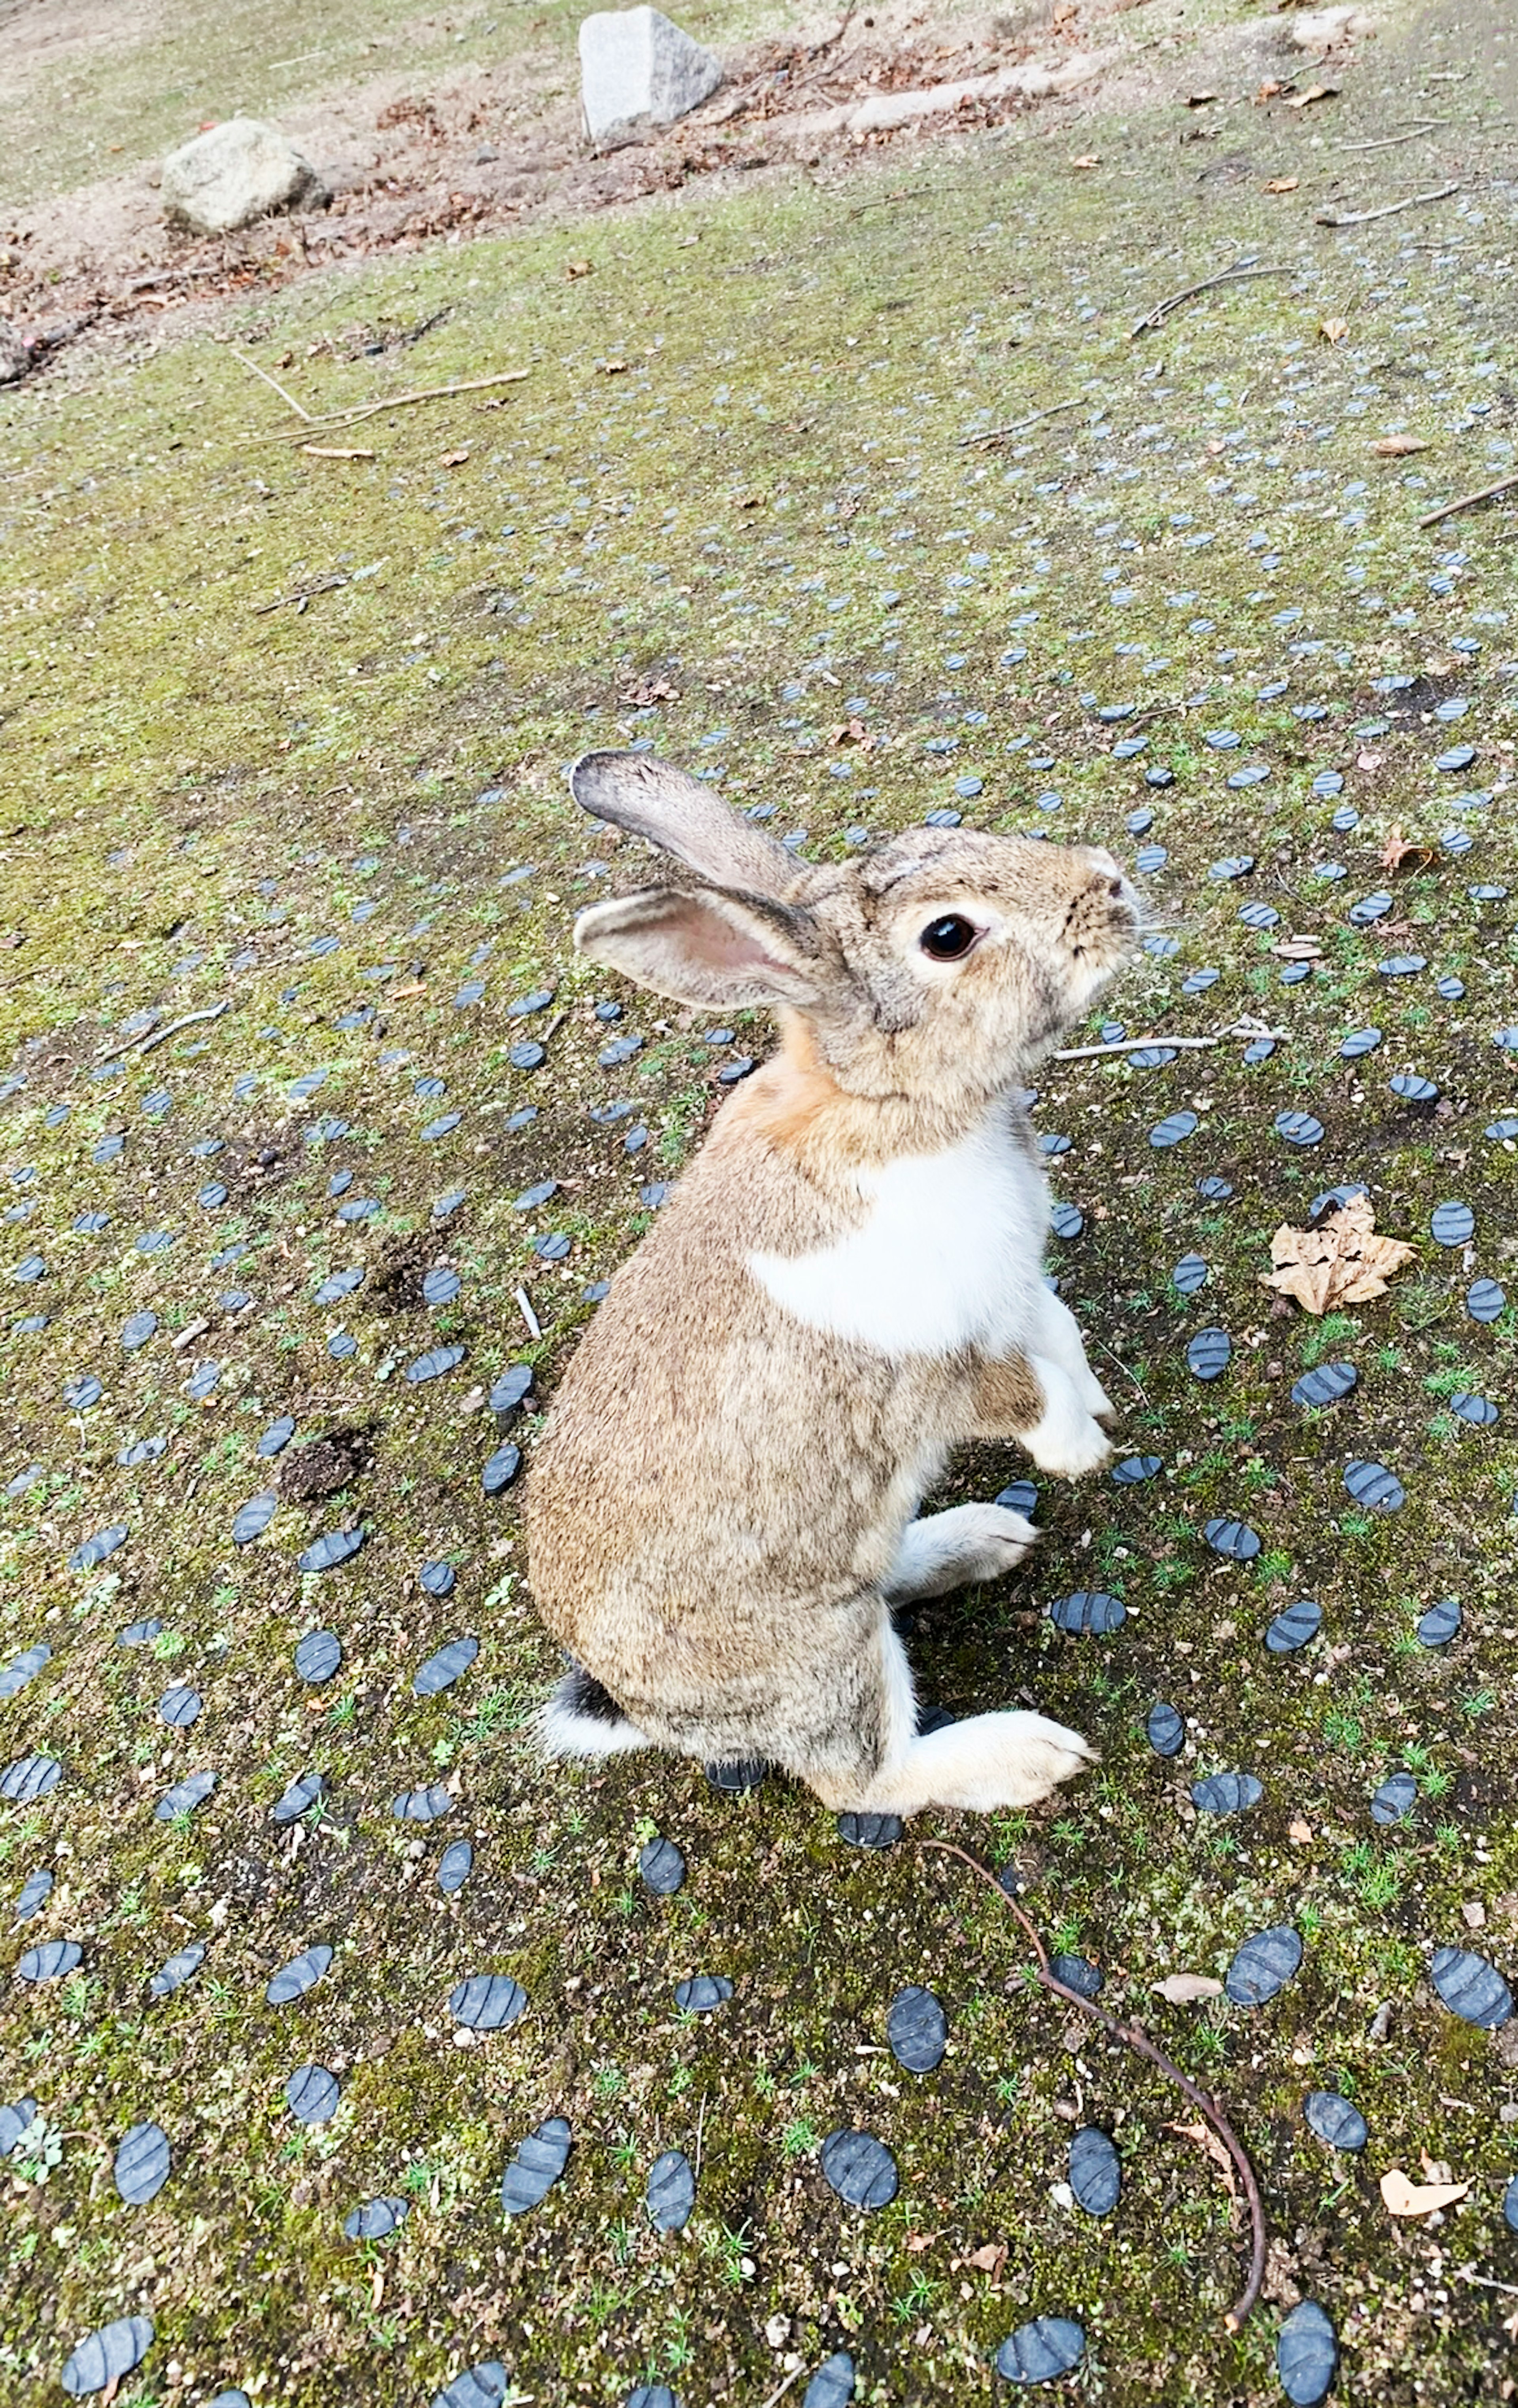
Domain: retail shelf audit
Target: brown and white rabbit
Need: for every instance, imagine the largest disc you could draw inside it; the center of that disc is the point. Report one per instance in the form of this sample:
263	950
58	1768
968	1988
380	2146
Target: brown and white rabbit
845	1285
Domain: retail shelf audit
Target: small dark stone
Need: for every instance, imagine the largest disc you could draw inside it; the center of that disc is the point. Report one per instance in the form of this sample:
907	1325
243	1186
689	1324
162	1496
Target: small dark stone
1335	2121
317	1657
298	1799
181	1706
487	2002
377	2219
15	2120
437	1579
106	2356
1485	1301
1471	1986
301	1974
1226	1793
1190	1274
449	1665
278	1436
1263	1965
421	1805
671	2192
35	1890
860	2168
176	1971
185	1796
1299	1128
1088	1611
537	2167
735	1778
1326	1383
1021	1497
484	2386
1373	1486
1359	1042
1172	1131
1440	1623
703	1993
311	2094
93	1550
833	2385
1041	2351
454	1867
1096	2170
48	1962
1293	1627
917	2030
869	1830
1234	1540
1307	2354
1134	1469
1480	1412
1209	1355
511	1386
661	1868
500	1470
28	1778
1452	1224
15	1675
1165	1731
142	2164
333	1548
1077	1973
252	1519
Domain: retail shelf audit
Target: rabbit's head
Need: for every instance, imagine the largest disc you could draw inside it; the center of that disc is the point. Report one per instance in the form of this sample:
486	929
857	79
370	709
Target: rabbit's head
941	963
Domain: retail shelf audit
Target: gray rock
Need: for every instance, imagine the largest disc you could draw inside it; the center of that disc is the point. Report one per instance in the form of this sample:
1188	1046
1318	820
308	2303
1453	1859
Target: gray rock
235	173
15	354
636	67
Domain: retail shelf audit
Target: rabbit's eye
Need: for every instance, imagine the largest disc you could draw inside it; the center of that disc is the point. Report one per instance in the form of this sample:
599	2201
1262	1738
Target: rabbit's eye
947	939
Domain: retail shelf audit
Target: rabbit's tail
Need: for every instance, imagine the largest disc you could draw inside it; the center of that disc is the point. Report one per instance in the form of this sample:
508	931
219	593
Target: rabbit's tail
581	1718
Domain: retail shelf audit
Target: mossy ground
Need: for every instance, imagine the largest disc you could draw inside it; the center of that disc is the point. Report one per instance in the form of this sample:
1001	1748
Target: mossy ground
737	467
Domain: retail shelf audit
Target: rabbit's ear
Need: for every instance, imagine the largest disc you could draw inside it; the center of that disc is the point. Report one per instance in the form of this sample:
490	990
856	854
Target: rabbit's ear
712	948
682	817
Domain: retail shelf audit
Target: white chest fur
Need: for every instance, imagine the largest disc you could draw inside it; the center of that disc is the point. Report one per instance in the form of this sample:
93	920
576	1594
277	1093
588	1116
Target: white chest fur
949	1256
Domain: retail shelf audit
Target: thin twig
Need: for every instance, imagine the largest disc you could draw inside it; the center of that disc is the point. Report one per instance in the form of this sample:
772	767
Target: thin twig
700	2127
1248	1029
1487	2282
1390	141
1392	210
1230	276
331	452
781	2388
520	1298
998	434
288	398
1468	501
1133	2037
1124	1367
145	1044
341	418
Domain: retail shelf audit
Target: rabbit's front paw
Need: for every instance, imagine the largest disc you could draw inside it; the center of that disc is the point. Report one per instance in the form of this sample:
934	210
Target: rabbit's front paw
1066	1441
968	1543
987	1763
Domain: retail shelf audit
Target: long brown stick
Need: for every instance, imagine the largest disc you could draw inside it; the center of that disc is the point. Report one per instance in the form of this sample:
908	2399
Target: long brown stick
1468	501
1230	276
1021	425
288	398
1131	2037
1392	210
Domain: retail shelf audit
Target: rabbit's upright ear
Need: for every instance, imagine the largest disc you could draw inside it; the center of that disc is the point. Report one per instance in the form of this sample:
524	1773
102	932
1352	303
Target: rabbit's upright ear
711	948
681	817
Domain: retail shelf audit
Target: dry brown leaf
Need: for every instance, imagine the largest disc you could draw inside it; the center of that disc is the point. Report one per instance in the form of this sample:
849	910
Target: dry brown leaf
1334	330
1298	949
1270	90
1298	1832
917	2242
1404	2198
1314	91
1200	99
1208	2140
1368	760
453	459
1092	161
579	268
650	690
1397	851
854	731
1341	1262
1180	1989
1399	447
989	2259
612	367
1283	183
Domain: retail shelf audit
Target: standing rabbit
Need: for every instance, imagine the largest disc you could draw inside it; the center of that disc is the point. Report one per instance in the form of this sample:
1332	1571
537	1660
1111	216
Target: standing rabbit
845	1285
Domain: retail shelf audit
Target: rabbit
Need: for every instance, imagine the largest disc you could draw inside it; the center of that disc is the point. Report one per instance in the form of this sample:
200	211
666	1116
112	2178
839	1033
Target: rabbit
845	1285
